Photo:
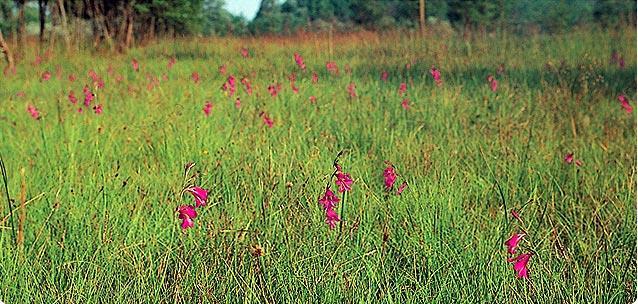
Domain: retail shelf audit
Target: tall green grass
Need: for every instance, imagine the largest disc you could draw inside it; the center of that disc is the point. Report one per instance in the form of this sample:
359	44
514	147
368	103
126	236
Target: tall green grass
101	190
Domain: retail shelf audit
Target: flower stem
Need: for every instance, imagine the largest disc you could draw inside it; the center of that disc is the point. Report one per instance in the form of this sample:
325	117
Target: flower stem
343	208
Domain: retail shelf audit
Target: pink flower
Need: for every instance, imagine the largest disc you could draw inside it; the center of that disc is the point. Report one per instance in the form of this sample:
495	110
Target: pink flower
171	63
46	76
329	200
229	85
299	61
200	195
389	177
72	78
274	89
222	69
135	64
569	158
520	265
513	241
578	163
384	76
624	102
436	75
313	99
267	120
331	66
344	181
97	109
37	60
21	94
195	77
72	98
315	77
352	90
403	87
247	86
621	62
244	52
207	108
237	103
186	213
402	187
405	103
332	218
492	82
34	112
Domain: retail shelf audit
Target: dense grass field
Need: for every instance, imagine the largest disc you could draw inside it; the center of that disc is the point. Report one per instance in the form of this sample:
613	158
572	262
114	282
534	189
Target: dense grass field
94	196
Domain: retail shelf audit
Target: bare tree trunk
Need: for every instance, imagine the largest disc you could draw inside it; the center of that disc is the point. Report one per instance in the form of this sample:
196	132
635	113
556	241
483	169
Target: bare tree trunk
422	16
7	54
129	29
42	7
65	30
22	26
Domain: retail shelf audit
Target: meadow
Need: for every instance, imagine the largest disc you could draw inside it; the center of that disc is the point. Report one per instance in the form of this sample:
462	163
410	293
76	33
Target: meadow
89	212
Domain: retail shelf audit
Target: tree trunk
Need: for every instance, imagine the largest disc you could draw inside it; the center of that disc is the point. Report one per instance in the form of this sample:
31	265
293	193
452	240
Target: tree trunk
7	54
42	7
65	29
129	29
422	16
22	26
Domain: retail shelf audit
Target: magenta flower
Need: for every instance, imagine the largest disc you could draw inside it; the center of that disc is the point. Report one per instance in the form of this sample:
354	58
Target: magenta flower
402	187
436	75
72	98
331	66
403	87
332	218
299	61
513	241
352	90
186	213
313	99
384	76
343	181
135	64
207	108
200	195
88	96
267	120
274	89
492	82
97	109
624	102
46	76
195	77
294	88
389	177
229	86
569	158
33	112
244	52
405	104
520	265
315	77
329	200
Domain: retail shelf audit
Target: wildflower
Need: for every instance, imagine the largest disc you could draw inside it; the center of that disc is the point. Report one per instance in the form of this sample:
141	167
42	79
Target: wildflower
247	86
329	200
344	181
88	96
274	89
352	90
267	120
624	102
436	75
578	163
135	64
195	77
405	103
34	112
520	264
389	177
72	78
229	85
492	82
46	76
222	69
200	195
384	76
332	218
72	98
237	103
621	63
315	77
207	108
294	88
97	109
186	213
299	61
402	187
313	99
171	63
21	94
513	241
403	87
244	52
331	66
569	158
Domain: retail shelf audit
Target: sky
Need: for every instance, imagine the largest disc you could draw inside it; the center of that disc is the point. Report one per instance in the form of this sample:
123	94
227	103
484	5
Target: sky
247	8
